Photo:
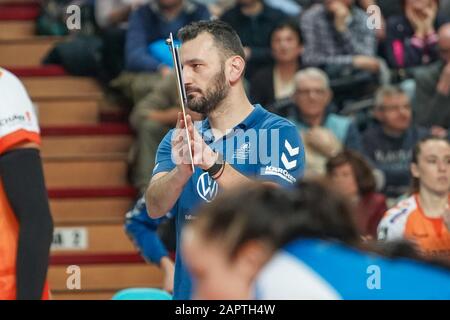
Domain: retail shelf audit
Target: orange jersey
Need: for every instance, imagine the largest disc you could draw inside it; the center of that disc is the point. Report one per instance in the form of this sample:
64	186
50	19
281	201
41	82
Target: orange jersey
18	124
9	230
18	120
407	220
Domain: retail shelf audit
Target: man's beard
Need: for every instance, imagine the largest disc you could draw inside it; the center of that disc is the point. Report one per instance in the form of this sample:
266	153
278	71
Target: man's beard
210	100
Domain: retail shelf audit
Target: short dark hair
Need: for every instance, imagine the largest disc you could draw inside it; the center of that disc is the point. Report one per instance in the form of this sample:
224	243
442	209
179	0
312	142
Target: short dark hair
361	169
277	216
225	37
288	24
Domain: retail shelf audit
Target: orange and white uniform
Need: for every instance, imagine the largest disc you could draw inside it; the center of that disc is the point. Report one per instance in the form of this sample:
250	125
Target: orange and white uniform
18	120
407	221
18	124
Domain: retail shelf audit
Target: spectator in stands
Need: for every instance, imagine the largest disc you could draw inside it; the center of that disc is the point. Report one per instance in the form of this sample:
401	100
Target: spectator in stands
152	118
298	244
424	218
253	20
336	33
411	37
388	7
114	13
432	102
217	7
444	6
389	144
112	17
338	40
324	133
147	58
274	84
367	6
151	24
306	4
351	175
154	238
290	7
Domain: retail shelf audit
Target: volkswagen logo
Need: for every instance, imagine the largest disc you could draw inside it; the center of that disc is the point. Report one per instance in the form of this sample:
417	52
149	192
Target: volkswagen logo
206	187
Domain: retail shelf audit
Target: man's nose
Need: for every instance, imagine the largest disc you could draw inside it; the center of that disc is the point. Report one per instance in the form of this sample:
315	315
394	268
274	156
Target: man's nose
187	75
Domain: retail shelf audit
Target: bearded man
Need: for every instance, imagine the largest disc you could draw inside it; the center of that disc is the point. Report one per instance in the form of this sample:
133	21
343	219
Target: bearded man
237	143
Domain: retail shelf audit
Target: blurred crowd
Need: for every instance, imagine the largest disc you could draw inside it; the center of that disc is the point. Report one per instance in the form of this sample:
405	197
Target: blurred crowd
375	91
366	83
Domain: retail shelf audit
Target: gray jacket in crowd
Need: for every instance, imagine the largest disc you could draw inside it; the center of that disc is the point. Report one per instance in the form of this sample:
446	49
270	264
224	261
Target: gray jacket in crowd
429	106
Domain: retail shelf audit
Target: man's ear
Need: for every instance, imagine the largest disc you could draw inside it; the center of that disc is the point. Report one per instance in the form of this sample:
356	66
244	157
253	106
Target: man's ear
251	257
236	67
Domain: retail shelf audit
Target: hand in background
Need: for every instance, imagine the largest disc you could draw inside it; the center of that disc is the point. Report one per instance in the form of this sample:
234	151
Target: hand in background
323	141
367	63
341	13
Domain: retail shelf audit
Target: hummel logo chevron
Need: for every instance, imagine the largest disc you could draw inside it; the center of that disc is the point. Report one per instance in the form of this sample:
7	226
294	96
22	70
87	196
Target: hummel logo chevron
288	164
292	152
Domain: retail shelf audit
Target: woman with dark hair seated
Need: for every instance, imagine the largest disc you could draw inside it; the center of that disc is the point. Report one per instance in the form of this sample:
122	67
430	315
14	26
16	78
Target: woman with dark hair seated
351	175
274	85
269	243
